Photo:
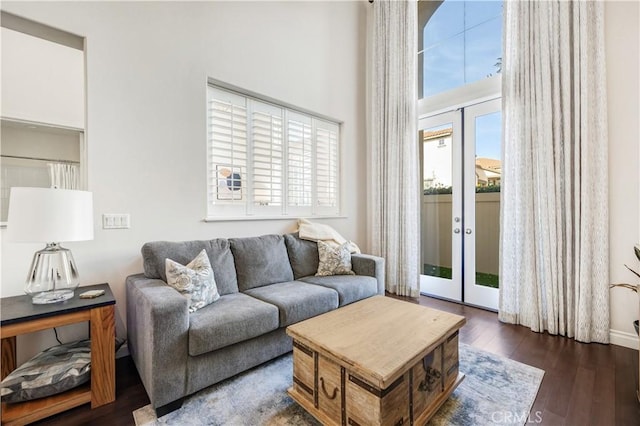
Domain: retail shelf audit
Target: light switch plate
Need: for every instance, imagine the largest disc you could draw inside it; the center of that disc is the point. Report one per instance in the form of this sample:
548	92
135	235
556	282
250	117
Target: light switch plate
116	221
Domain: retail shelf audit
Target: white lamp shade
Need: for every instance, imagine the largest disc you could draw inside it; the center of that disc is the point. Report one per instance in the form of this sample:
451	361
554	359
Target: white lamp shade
49	215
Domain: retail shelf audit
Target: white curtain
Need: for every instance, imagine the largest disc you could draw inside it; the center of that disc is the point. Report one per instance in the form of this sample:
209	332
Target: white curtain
554	218
393	208
64	176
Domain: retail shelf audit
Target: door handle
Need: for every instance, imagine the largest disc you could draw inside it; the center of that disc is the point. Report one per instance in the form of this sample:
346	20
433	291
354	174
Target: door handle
467	231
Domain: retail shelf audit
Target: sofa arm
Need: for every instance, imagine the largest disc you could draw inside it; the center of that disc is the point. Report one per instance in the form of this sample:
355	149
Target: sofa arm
157	329
372	266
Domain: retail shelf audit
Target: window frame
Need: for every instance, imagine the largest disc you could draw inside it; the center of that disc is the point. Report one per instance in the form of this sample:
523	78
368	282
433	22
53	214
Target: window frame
248	208
478	90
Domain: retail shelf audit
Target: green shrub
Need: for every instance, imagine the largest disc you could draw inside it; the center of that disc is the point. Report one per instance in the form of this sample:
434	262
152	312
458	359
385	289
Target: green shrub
447	189
490	188
438	190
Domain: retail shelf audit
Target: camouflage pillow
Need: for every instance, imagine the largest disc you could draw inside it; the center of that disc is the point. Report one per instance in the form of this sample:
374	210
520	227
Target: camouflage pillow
52	371
195	281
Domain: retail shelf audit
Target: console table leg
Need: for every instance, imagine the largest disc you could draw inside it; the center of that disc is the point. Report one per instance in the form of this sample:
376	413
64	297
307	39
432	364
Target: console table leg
8	356
103	361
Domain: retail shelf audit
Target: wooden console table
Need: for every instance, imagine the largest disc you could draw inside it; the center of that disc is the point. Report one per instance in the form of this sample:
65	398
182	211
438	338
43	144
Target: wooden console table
20	316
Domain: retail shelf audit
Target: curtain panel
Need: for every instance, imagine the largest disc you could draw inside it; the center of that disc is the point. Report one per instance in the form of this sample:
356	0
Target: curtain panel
393	182
64	176
554	214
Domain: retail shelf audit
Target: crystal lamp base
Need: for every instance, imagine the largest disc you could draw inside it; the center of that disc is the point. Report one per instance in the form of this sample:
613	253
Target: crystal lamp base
53	276
52	297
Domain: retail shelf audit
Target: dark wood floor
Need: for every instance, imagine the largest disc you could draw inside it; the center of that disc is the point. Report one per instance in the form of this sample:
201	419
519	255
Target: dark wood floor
584	384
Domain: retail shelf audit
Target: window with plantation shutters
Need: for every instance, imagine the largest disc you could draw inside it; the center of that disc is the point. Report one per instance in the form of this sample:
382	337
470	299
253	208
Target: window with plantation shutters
299	162
267	155
227	150
269	160
326	165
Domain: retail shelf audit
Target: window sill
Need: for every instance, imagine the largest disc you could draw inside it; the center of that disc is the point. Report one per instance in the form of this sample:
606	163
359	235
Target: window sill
253	218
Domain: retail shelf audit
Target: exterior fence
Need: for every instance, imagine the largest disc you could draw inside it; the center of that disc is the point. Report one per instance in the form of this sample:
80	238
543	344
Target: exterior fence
437	231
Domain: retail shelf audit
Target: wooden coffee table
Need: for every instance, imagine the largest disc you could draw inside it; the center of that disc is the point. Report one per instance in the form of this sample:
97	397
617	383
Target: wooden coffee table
379	361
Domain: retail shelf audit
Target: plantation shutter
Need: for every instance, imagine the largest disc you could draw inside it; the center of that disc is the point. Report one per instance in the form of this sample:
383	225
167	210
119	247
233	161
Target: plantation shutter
267	154
299	163
267	160
227	150
326	160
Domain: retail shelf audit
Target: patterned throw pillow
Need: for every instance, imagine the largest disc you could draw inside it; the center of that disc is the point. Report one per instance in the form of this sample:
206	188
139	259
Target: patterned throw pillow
334	260
195	281
52	371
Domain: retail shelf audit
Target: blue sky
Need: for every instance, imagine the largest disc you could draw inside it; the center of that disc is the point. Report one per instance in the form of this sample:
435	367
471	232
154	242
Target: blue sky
488	135
462	43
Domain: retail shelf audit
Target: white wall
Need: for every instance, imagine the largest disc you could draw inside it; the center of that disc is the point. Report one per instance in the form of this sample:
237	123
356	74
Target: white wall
147	68
623	76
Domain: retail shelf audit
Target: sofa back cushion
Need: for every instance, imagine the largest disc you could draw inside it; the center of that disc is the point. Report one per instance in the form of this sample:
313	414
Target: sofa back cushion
303	255
260	261
154	255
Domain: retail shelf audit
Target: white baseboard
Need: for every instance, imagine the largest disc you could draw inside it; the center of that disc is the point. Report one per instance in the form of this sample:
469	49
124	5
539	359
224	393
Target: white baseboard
622	338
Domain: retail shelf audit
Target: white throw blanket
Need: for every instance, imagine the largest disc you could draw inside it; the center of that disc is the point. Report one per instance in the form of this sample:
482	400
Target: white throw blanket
318	231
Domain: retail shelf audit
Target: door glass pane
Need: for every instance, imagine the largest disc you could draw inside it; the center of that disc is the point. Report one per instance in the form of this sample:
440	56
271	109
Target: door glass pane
437	200
488	173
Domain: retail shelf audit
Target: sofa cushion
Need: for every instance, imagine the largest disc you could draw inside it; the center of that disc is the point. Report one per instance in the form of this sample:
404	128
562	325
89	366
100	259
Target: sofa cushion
350	288
260	261
303	255
296	300
334	260
154	255
233	318
50	372
195	281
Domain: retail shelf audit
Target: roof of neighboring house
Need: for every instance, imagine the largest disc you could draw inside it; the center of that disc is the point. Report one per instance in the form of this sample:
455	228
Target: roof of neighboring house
436	134
489	163
481	175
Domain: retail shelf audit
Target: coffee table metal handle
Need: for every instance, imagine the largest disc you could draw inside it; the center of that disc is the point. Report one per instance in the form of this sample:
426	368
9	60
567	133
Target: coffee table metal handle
335	390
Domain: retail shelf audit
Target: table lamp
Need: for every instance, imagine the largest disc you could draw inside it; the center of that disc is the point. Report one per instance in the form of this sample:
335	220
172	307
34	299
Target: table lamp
51	216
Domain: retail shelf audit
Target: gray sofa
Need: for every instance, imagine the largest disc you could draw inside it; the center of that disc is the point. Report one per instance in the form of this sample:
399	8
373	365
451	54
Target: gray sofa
266	283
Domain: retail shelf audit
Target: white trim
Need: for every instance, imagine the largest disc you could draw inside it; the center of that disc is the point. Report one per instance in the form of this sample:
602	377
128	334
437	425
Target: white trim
622	338
463	96
450	289
20	122
45	32
291	217
474	294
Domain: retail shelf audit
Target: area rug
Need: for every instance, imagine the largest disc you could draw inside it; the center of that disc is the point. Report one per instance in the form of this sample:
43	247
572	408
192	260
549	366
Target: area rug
495	391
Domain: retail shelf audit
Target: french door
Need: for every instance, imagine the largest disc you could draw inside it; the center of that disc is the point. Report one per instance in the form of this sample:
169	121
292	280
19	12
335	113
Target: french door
461	172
